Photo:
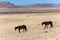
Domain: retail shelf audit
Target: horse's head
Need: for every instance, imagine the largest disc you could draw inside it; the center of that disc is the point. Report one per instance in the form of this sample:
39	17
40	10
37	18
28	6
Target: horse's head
15	28
24	27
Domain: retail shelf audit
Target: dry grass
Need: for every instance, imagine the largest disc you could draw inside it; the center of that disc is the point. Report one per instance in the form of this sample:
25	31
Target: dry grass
33	23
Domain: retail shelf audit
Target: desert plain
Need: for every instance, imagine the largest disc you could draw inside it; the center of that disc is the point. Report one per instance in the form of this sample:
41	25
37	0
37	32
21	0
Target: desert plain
33	22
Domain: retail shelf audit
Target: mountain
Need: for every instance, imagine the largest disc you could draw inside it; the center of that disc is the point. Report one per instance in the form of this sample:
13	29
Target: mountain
9	7
43	5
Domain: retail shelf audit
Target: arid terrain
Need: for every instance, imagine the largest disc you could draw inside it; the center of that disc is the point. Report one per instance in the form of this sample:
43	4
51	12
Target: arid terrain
33	22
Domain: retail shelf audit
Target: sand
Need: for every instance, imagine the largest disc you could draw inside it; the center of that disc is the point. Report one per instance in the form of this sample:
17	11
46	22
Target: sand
33	22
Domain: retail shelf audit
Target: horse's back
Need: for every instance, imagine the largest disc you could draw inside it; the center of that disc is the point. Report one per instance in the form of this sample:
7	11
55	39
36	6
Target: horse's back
44	22
50	21
23	25
20	26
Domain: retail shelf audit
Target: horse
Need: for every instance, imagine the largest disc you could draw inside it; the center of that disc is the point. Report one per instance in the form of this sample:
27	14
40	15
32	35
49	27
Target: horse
46	23
21	27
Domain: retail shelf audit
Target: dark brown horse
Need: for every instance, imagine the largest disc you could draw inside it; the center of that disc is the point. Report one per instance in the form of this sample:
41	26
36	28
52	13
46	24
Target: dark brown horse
21	27
46	23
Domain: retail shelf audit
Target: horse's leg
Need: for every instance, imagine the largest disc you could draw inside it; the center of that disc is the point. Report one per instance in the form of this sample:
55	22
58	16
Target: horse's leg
23	29
19	30
45	26
51	25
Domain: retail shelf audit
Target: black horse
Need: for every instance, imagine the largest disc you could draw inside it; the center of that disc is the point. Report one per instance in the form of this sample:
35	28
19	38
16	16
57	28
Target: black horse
21	27
46	23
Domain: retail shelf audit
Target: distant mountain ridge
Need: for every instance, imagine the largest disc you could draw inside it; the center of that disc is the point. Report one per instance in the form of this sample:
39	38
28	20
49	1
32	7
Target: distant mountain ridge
46	5
10	5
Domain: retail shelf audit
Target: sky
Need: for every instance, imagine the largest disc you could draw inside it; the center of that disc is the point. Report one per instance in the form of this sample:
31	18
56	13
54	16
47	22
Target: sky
29	2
